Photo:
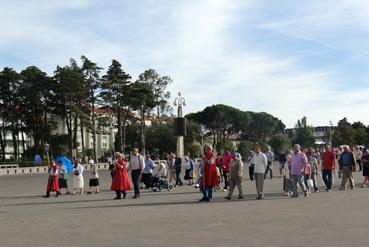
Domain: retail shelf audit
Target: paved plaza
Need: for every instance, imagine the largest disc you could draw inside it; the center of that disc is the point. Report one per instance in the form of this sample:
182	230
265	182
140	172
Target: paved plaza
176	218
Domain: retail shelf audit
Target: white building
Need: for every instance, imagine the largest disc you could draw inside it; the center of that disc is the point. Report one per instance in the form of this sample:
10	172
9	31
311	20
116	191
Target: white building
9	147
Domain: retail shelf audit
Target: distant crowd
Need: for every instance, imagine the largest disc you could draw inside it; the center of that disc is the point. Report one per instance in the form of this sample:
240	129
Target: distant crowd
298	169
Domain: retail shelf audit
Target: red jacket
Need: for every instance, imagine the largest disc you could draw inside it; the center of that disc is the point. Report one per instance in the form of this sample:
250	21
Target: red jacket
226	161
328	160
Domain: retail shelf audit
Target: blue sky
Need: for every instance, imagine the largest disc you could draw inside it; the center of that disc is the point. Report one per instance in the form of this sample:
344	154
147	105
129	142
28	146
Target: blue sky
288	58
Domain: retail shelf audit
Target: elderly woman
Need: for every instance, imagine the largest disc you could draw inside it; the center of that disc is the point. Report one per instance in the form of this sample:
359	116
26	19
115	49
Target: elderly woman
235	176
53	182
209	178
120	183
78	182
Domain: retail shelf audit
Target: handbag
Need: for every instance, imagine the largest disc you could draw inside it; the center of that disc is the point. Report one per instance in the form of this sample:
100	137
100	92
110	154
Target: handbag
310	182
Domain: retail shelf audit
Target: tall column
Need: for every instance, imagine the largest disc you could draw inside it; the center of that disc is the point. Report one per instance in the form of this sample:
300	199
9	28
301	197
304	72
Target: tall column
180	101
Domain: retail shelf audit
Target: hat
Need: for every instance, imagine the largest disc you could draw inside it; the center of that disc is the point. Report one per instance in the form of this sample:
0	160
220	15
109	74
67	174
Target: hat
236	155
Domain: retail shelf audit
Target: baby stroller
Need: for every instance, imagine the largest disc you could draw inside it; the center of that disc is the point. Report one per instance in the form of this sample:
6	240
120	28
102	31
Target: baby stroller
161	183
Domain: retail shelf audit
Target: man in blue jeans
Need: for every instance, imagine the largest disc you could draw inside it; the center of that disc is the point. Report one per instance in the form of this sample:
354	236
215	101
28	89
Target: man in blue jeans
328	166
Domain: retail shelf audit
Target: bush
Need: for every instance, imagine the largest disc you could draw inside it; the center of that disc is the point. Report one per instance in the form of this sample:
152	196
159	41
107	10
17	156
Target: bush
244	147
31	163
194	150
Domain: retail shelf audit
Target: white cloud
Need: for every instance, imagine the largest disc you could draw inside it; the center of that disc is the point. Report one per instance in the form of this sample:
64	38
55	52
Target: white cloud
197	44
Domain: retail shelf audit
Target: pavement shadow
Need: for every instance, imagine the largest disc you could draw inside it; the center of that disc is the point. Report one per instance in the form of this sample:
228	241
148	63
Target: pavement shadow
53	202
249	197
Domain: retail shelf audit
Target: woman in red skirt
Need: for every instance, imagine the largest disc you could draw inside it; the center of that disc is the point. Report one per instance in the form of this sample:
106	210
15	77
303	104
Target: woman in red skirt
210	178
120	183
53	181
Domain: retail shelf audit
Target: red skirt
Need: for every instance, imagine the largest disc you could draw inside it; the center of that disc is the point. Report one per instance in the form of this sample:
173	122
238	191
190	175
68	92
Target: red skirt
210	178
120	180
53	184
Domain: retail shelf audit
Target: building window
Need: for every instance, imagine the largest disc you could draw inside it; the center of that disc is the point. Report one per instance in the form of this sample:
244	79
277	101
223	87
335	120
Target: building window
104	145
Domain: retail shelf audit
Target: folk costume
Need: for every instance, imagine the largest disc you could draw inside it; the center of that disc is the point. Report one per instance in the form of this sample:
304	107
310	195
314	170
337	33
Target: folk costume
53	181
120	183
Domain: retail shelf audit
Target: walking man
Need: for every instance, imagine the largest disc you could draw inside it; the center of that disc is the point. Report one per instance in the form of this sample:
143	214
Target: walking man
328	166
235	176
298	162
178	169
259	171
136	165
347	165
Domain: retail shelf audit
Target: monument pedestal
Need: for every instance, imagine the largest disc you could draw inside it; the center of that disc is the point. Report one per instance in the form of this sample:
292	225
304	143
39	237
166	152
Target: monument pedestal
180	145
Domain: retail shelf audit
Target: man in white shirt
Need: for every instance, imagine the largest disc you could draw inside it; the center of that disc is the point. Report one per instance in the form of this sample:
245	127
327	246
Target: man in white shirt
259	171
136	165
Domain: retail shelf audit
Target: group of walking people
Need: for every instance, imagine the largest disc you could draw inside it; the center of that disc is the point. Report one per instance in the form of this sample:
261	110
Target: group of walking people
299	169
59	175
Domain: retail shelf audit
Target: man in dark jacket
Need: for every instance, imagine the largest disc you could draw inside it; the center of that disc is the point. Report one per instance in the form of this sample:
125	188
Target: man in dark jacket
178	167
347	165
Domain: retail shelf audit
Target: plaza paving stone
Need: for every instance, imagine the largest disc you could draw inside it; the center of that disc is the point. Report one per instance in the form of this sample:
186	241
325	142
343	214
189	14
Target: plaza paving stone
176	218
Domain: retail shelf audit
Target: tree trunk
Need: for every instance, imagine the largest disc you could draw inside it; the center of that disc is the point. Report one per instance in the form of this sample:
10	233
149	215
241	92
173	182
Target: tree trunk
47	129
214	139
2	142
143	148
119	134
15	147
36	138
124	125
82	138
93	123
23	145
75	128
68	120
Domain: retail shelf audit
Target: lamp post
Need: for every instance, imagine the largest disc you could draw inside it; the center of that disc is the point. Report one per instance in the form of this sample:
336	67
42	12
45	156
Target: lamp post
180	102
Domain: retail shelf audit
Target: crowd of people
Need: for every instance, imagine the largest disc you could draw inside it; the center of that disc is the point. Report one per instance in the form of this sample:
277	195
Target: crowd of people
298	169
